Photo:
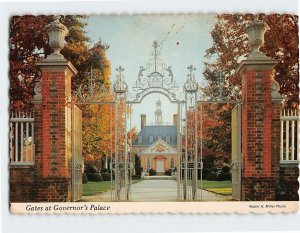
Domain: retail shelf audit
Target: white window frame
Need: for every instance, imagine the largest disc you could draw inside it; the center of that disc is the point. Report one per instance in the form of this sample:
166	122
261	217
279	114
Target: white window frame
140	139
148	160
168	139
151	139
171	163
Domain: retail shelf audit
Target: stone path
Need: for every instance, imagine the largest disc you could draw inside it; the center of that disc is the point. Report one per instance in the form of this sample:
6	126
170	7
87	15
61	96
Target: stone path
156	190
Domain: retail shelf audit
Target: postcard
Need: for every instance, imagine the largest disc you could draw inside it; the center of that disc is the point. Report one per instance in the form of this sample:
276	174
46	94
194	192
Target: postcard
154	113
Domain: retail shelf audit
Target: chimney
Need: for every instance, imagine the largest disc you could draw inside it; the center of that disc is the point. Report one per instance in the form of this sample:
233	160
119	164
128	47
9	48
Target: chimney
175	119
143	120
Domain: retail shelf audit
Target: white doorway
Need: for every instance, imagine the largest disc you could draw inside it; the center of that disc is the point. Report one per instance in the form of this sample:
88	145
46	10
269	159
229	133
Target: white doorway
160	166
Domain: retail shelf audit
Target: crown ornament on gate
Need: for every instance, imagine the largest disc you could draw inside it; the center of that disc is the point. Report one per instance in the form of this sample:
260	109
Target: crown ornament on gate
120	85
191	85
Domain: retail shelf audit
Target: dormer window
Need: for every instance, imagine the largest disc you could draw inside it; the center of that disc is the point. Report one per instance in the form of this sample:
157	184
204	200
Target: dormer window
150	139
140	139
168	139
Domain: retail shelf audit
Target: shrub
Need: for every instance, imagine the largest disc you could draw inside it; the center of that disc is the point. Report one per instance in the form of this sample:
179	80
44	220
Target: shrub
211	176
214	169
138	170
106	176
90	169
205	172
224	176
152	172
136	177
94	177
84	178
226	168
104	170
168	172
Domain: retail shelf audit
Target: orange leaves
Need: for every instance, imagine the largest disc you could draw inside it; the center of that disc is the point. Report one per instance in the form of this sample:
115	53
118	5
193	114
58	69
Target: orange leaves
230	45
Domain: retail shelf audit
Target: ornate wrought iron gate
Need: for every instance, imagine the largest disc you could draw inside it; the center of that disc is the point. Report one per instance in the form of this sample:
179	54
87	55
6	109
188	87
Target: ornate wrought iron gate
158	78
77	159
94	93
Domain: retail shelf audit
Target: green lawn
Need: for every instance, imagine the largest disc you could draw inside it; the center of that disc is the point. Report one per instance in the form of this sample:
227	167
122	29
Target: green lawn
92	188
219	187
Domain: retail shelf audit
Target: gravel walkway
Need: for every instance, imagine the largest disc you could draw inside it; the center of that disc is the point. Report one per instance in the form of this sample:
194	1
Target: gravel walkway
156	190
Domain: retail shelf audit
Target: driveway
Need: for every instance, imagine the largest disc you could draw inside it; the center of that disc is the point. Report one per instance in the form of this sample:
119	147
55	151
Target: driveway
156	190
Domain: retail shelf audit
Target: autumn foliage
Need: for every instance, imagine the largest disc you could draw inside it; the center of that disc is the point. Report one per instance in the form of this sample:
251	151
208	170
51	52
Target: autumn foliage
28	44
229	48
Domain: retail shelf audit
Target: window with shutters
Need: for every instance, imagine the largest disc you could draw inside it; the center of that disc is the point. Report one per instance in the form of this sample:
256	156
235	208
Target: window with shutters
148	164
168	139
172	163
140	139
150	139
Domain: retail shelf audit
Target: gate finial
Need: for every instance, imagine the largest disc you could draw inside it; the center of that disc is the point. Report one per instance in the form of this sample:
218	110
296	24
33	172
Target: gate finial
56	33
191	85
120	85
255	32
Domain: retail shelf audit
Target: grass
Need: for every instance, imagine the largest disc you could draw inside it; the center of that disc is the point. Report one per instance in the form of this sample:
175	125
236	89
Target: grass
219	187
92	188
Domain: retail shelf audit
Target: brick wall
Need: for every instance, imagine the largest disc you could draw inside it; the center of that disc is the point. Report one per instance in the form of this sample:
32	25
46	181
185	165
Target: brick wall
21	183
56	132
26	186
256	136
50	177
288	185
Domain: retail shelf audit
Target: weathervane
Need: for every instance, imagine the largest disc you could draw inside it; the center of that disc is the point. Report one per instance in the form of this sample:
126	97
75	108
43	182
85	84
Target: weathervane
155	54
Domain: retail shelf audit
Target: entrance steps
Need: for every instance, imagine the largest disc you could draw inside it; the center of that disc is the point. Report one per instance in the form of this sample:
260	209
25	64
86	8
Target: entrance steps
159	177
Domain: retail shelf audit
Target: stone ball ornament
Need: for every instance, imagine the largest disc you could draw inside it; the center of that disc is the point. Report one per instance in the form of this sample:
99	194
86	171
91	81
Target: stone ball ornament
56	33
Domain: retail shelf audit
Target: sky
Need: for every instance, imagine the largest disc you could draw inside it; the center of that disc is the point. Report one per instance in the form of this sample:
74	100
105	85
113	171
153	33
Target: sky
184	39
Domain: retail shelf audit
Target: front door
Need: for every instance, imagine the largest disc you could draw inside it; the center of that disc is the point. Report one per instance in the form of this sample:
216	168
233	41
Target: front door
160	166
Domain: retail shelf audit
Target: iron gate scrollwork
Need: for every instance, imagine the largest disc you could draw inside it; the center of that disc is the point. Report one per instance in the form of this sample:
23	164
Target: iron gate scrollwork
155	77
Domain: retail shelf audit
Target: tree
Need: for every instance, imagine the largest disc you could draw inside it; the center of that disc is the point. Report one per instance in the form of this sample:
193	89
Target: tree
98	119
28	45
132	134
230	46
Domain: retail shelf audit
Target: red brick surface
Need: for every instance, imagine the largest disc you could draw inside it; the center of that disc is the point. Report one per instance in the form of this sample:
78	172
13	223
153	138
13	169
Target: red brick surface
258	181
50	178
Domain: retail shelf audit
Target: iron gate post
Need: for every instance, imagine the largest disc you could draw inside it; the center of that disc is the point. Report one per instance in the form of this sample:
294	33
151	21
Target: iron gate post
126	152
186	150
116	168
178	150
196	148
